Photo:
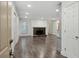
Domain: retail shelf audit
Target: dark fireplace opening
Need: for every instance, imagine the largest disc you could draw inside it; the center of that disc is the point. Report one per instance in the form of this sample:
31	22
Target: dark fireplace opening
39	31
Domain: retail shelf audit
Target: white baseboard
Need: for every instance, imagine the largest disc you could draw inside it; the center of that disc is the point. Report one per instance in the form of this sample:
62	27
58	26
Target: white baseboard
4	53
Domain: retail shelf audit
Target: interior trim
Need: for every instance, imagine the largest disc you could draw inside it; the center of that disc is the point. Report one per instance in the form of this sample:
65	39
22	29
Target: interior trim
3	50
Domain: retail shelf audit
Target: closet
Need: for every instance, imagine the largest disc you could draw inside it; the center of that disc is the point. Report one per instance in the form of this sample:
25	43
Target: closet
5	29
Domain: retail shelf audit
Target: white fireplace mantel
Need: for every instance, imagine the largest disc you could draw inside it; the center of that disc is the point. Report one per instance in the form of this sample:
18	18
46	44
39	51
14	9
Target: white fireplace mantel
39	23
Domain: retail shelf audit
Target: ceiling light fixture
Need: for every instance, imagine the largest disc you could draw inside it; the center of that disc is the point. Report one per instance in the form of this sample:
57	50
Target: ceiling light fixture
57	10
25	17
27	13
28	5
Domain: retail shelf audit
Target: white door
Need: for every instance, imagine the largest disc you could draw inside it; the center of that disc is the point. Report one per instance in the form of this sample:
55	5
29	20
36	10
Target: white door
76	30
71	31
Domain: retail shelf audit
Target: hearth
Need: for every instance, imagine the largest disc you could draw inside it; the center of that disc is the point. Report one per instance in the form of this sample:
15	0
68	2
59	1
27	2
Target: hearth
37	31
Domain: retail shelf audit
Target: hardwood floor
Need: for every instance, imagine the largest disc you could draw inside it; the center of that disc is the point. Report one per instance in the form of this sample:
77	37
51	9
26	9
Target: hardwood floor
37	47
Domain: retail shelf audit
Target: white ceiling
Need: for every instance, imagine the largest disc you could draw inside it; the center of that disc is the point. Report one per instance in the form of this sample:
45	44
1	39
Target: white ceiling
38	9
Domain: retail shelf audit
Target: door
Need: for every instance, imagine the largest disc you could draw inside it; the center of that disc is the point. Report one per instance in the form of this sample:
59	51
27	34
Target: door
71	30
4	30
76	30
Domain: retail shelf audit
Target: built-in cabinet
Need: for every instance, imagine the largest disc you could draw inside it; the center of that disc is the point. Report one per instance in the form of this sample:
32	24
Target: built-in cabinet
70	29
5	29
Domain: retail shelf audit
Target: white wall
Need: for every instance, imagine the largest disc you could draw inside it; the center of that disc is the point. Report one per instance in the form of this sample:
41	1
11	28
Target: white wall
33	23
54	23
15	27
53	27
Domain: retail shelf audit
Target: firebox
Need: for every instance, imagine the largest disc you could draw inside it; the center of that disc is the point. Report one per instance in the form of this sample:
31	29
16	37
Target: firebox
39	31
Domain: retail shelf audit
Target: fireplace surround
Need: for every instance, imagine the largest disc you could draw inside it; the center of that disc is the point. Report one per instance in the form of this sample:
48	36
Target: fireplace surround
38	31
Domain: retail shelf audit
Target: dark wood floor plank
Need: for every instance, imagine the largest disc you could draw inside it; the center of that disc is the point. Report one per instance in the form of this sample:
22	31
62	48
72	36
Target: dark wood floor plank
37	47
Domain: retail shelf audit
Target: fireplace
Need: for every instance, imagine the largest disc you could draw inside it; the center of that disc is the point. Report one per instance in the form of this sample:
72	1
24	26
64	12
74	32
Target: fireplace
39	31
